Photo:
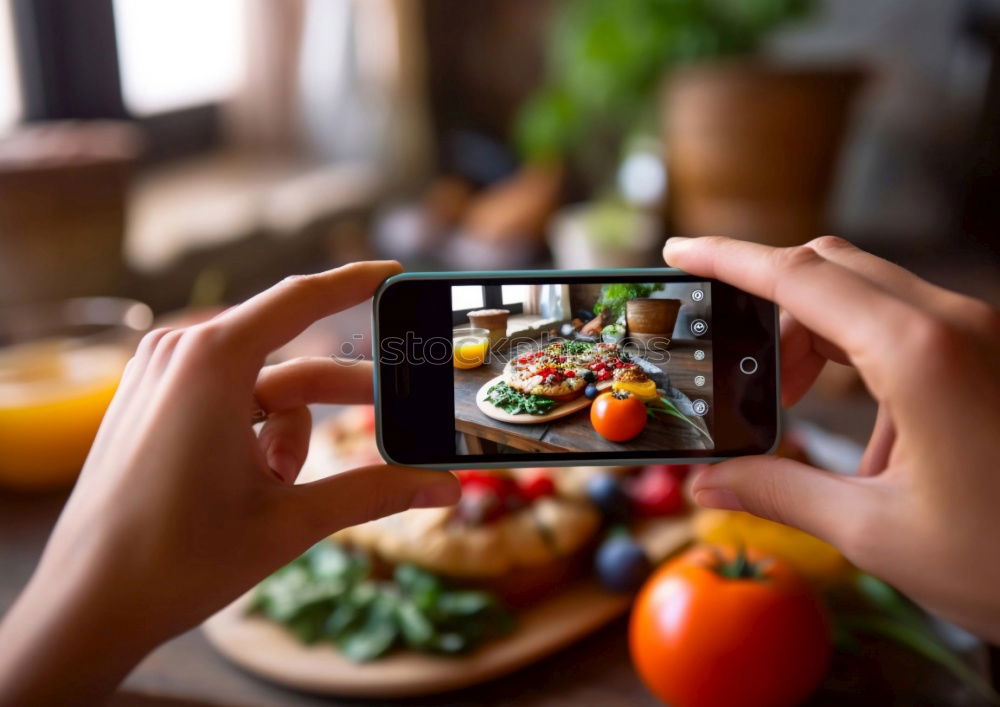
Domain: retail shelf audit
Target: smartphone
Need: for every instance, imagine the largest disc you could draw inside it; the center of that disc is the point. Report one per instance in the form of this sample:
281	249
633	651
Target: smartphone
559	368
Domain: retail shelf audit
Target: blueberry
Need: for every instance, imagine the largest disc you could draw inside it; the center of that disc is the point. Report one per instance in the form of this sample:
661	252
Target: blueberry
589	377
607	494
622	564
590	392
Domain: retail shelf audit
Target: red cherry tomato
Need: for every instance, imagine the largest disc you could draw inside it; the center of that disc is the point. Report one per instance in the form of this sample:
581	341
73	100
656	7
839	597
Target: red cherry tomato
678	471
536	487
499	484
757	637
618	416
656	492
480	504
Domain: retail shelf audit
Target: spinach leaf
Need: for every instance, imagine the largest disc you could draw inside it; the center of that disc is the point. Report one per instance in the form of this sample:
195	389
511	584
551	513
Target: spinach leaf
575	348
328	594
516	402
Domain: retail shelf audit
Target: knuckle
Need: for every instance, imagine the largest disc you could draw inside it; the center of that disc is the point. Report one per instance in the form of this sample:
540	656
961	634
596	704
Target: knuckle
291	280
931	336
713	241
983	315
929	345
827	243
151	340
789	259
770	498
383	500
385	505
201	341
170	340
299	282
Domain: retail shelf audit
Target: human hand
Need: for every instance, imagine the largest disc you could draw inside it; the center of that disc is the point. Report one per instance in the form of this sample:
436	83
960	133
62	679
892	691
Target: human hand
181	507
923	511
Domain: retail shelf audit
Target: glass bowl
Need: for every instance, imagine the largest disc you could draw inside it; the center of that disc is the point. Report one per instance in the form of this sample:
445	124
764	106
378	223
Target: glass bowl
60	363
470	347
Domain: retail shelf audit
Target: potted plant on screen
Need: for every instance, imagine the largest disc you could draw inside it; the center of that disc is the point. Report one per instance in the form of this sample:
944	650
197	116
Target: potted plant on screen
750	144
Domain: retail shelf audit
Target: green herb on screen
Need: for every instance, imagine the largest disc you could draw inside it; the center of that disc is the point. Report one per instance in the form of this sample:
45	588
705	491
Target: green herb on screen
517	403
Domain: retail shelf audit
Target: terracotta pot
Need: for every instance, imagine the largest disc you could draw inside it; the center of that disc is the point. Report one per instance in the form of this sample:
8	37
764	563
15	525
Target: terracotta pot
493	320
751	148
651	316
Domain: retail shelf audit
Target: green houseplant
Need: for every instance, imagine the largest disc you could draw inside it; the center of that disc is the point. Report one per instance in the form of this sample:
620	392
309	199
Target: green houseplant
606	63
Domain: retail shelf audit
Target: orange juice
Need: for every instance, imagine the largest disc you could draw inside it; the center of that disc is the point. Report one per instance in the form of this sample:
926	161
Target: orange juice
470	349
52	400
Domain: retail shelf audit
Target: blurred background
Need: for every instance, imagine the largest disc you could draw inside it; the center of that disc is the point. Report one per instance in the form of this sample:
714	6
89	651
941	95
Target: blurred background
170	150
160	159
183	155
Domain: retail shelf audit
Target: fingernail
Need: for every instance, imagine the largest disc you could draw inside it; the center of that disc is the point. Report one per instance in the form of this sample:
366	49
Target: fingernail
437	494
676	241
723	499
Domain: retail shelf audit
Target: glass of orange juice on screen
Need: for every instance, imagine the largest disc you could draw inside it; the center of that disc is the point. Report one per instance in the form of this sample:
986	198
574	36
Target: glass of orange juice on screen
470	347
60	364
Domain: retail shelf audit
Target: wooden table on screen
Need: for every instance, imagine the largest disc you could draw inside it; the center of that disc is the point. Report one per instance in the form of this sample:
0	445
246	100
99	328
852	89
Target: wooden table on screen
574	432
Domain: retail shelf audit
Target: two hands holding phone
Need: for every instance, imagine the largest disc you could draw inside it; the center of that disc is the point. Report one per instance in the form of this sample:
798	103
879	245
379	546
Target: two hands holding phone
181	506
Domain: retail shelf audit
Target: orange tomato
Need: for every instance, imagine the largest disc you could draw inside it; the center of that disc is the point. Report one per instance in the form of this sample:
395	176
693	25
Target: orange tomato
706	630
618	416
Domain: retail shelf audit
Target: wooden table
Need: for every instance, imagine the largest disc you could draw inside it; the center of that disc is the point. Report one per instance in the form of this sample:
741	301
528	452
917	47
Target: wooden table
574	433
596	671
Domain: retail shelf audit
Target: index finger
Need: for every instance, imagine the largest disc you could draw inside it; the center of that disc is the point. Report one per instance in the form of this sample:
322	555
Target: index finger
838	304
274	317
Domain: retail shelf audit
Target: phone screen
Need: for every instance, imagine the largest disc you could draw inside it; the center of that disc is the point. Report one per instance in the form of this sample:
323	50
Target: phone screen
571	367
561	367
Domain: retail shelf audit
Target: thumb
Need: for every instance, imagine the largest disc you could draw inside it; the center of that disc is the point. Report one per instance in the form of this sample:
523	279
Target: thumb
370	492
819	502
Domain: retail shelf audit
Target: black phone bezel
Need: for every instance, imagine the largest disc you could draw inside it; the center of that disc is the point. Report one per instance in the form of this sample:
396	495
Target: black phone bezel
416	423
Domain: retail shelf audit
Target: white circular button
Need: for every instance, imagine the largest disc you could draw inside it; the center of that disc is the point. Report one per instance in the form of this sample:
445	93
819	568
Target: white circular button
699	327
699	381
699	407
699	355
698	295
748	365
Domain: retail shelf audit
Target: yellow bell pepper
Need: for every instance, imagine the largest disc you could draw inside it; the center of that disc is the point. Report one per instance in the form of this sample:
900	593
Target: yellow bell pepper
816	560
644	390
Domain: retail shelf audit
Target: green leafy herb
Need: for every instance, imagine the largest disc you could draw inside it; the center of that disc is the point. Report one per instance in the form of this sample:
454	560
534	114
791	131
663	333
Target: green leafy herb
894	617
666	406
516	402
575	348
328	595
613	297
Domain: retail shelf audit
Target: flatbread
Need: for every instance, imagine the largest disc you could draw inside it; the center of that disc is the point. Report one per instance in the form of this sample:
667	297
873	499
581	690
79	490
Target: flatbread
553	372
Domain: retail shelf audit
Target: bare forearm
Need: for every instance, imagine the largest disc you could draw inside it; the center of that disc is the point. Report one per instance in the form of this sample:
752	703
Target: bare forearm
64	650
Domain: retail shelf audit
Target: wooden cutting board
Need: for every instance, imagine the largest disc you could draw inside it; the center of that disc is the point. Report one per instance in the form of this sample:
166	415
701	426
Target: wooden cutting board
268	650
491	410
